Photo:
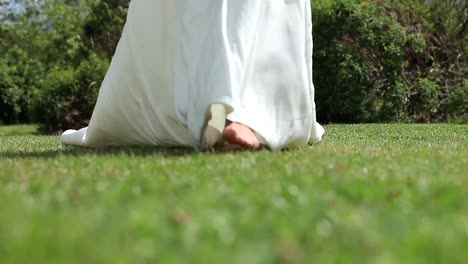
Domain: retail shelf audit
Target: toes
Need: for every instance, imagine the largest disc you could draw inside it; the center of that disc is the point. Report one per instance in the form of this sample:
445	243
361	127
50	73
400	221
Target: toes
242	135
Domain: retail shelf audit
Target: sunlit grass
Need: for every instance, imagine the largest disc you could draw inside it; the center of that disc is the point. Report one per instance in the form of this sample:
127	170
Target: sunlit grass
367	193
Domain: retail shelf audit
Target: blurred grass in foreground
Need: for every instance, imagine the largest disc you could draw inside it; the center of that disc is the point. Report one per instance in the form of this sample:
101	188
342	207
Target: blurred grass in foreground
367	193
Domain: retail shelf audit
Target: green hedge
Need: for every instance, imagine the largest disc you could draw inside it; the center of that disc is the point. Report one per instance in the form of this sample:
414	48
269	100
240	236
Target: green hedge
381	61
20	77
68	96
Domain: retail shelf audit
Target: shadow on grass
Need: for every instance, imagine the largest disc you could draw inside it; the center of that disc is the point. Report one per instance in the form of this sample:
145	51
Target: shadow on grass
71	151
103	151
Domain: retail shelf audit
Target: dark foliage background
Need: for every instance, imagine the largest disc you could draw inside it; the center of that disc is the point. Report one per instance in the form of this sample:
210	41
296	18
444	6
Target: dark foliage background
390	60
374	61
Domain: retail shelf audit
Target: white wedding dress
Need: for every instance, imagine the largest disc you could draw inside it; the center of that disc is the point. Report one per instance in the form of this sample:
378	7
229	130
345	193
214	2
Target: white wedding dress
183	67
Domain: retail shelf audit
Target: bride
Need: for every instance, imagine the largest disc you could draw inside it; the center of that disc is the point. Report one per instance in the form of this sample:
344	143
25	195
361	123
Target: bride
235	73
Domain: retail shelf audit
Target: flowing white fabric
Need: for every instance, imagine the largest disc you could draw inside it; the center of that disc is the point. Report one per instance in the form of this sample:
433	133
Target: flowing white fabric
183	67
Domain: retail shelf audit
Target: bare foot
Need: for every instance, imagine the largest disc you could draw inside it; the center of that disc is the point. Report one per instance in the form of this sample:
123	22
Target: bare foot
237	136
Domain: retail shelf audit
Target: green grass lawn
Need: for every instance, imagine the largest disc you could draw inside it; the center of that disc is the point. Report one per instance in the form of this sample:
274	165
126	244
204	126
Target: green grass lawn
366	194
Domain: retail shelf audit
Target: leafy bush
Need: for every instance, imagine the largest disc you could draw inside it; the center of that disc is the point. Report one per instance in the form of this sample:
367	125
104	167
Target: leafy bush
104	25
19	79
67	97
378	61
48	51
457	106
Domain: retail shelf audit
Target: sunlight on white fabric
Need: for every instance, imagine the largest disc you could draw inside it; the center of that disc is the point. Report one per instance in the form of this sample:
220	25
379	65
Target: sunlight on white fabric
183	67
